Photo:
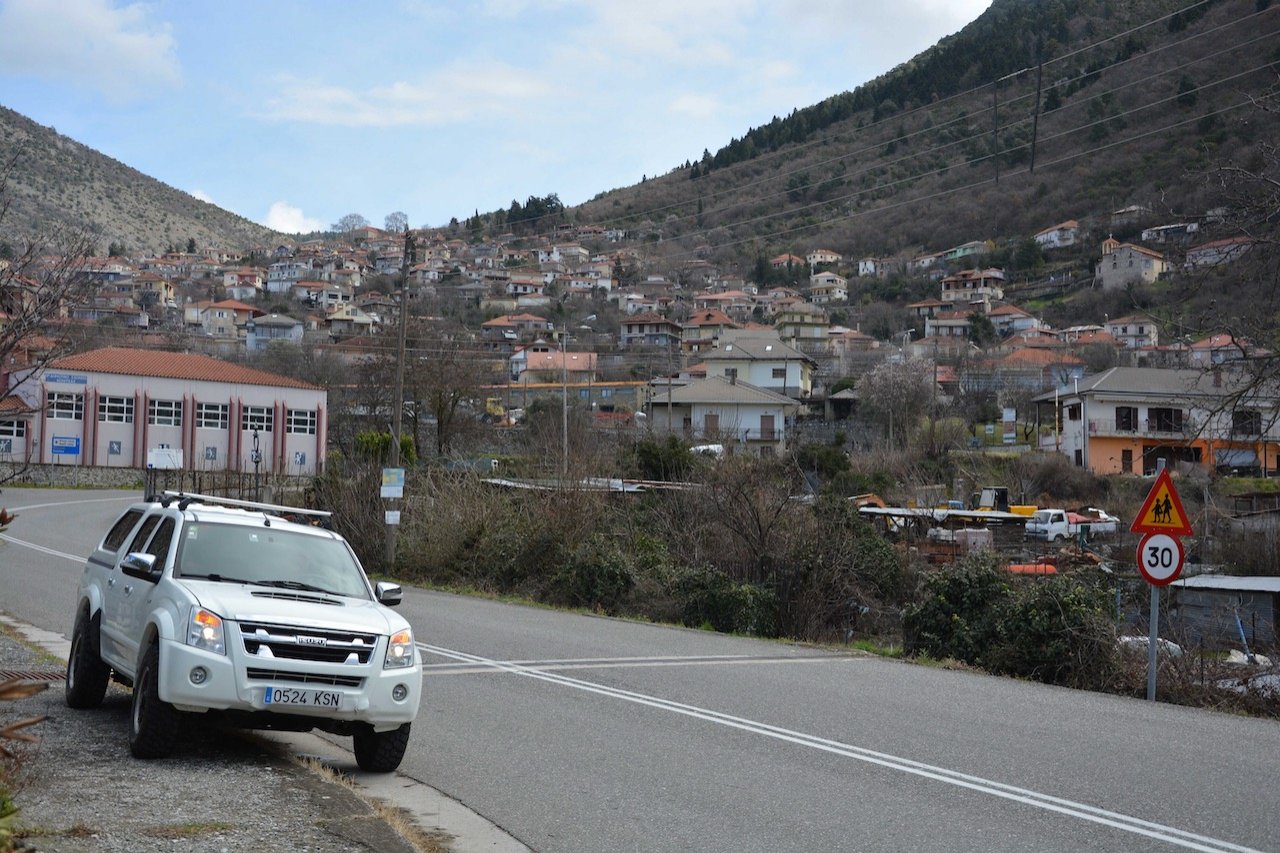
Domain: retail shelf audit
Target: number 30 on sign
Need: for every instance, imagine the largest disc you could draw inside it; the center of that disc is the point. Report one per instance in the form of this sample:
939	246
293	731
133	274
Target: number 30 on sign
1160	558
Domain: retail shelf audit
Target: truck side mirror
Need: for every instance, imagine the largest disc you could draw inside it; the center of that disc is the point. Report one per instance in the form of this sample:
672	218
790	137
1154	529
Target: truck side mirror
388	593
139	565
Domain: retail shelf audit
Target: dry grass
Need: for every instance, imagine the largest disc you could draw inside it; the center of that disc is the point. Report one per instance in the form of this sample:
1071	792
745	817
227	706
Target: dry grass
397	819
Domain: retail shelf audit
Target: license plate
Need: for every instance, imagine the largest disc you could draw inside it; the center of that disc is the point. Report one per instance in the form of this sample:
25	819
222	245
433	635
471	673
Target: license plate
297	697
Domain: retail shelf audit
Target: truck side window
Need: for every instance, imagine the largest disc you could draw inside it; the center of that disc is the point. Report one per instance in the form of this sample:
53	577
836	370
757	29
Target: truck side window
159	544
140	538
115	537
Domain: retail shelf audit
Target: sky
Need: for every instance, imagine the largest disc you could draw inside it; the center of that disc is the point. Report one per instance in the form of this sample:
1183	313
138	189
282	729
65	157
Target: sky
293	113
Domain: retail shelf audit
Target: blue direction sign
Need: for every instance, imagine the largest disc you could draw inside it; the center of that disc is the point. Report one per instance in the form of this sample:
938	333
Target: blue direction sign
66	445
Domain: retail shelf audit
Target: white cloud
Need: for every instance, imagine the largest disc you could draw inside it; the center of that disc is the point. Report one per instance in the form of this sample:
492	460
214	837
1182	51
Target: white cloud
288	219
91	44
695	106
453	95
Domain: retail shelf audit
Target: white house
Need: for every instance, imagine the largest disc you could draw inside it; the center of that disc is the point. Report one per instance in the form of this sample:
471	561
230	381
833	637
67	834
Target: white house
724	411
1059	236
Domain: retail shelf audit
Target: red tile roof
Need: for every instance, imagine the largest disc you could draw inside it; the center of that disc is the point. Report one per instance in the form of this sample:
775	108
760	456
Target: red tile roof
173	365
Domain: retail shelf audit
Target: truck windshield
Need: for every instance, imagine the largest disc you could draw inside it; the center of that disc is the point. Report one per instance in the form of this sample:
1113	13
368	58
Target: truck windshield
1042	516
270	556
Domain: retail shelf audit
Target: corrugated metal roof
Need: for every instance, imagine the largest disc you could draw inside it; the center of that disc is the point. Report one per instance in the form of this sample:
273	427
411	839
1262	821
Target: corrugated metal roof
173	365
1230	582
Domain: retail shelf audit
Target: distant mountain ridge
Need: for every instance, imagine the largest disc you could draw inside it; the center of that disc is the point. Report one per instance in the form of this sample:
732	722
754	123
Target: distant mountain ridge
59	184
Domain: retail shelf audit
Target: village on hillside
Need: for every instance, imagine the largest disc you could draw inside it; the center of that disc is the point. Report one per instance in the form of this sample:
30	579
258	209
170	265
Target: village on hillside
588	314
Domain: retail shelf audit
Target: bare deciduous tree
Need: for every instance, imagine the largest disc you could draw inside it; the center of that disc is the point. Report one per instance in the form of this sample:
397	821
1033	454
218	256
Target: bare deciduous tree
40	279
396	222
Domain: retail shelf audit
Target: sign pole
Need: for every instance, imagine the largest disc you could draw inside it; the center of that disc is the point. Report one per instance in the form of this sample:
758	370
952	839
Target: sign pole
1152	639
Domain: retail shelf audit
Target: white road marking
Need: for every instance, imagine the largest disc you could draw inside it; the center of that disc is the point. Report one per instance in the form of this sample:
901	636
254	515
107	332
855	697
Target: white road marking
77	558
467	668
1070	808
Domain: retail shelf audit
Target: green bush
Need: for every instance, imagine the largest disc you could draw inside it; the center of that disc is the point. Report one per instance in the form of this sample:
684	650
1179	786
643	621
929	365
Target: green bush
712	598
1055	629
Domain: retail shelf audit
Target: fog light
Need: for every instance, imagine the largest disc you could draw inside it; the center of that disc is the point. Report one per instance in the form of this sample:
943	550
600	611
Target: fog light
198	675
399	692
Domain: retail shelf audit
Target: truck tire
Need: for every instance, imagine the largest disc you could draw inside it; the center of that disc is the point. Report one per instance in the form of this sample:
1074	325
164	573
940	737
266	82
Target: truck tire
87	675
153	724
380	752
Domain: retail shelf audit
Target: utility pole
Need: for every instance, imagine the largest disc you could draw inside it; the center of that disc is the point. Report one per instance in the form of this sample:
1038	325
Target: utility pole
565	400
397	401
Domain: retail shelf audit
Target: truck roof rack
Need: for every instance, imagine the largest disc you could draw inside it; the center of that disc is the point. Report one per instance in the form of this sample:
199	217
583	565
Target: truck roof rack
186	498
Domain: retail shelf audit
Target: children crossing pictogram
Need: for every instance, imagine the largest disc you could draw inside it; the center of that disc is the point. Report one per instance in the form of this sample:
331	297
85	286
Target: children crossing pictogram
1162	511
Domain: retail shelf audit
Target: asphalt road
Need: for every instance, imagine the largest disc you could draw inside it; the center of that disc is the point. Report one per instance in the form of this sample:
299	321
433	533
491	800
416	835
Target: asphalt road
579	733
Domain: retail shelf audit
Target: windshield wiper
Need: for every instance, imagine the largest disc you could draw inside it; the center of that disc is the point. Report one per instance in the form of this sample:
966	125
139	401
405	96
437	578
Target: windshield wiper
214	576
299	585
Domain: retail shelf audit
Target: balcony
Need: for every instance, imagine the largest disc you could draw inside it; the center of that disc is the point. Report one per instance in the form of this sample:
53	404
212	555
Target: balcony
1144	428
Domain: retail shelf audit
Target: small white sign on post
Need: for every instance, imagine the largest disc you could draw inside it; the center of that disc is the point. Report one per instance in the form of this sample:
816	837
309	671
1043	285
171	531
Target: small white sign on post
392	483
393	516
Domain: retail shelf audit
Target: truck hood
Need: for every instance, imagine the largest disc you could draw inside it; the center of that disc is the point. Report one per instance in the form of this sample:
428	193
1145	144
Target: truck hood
247	603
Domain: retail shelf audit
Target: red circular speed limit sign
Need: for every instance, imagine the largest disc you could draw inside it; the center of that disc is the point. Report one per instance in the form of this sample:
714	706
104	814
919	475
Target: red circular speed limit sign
1160	558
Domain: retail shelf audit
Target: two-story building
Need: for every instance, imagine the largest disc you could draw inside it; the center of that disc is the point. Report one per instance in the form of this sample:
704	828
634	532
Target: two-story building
1059	236
650	329
762	360
973	286
827	287
1122	420
113	407
721	410
1124	263
1134	331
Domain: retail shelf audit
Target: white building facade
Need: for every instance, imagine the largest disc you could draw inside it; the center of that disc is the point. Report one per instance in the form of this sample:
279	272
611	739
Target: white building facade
116	407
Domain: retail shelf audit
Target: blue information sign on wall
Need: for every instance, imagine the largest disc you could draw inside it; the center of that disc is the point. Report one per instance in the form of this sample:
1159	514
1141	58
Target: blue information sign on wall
66	445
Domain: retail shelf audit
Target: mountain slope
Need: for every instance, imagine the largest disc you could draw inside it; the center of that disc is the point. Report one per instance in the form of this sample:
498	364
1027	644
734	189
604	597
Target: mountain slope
60	184
1133	100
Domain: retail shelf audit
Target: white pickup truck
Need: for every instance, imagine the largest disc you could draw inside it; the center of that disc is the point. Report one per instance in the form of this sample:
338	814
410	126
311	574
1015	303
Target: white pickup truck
230	608
1056	525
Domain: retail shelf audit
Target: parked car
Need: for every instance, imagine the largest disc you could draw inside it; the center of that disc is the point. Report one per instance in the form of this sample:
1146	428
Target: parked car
248	611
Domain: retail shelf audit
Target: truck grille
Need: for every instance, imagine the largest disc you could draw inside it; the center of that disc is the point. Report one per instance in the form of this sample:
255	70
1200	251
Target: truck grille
277	675
289	642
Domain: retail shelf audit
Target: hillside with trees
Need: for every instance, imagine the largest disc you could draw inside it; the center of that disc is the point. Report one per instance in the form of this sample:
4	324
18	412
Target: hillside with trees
1035	113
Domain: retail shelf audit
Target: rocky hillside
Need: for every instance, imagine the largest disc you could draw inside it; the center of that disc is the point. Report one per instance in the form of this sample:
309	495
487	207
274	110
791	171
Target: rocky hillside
59	184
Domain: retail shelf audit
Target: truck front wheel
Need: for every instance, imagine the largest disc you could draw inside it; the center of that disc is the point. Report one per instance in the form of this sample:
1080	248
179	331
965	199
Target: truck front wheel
153	724
380	752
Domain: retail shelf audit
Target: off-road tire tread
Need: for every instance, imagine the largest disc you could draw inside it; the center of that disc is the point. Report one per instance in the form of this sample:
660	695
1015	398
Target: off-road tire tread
380	752
153	724
87	675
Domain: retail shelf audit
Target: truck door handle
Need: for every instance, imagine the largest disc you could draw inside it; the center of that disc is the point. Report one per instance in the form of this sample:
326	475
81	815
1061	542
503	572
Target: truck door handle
111	581
128	590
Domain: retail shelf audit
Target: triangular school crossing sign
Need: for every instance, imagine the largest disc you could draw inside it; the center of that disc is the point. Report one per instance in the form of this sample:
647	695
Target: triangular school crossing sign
1162	511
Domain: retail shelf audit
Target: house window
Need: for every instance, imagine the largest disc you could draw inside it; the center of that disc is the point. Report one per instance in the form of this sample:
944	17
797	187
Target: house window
1127	418
1164	420
1073	412
66	407
211	415
1246	422
606	392
301	422
1126	461
731	373
1079	458
779	373
164	413
115	410
13	429
256	417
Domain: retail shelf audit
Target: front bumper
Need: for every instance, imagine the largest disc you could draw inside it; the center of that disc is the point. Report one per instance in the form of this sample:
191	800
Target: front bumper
238	682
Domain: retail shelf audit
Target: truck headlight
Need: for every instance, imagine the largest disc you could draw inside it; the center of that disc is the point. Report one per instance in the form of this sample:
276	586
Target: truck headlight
399	650
204	631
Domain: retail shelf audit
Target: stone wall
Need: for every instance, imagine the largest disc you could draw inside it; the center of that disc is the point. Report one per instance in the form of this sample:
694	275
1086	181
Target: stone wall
224	483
